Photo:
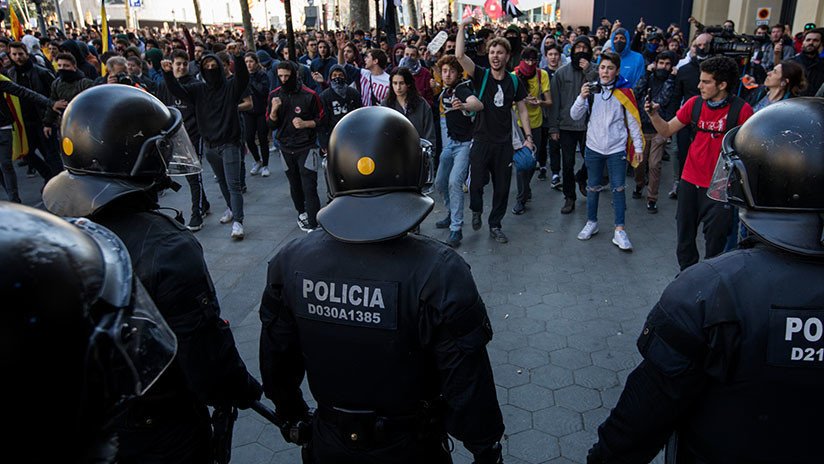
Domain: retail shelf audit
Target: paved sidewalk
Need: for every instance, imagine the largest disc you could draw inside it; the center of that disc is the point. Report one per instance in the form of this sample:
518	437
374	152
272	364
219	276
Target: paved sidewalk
565	313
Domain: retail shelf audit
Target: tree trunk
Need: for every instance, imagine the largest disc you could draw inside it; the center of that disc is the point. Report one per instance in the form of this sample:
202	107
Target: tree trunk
248	33
359	14
198	17
411	13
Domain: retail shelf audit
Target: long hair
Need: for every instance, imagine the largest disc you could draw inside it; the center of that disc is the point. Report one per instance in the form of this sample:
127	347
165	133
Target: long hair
413	98
794	73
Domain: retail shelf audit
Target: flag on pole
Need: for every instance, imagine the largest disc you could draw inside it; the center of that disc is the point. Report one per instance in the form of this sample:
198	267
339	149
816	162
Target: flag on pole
389	21
19	142
16	27
105	37
510	7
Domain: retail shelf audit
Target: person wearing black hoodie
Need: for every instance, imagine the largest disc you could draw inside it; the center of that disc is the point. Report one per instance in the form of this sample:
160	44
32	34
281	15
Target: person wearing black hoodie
71	46
338	101
296	111
180	65
215	100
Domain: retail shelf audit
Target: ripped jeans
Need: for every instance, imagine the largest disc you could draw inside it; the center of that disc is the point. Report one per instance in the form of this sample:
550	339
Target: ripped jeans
616	164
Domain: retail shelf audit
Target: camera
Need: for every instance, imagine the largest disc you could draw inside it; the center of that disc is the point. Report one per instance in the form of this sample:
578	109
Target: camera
595	87
725	42
125	79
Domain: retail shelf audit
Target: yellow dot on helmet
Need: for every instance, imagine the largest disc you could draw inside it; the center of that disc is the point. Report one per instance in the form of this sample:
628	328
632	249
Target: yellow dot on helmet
68	146
366	165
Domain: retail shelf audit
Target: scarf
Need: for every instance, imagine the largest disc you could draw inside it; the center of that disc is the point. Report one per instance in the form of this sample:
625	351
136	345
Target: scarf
526	71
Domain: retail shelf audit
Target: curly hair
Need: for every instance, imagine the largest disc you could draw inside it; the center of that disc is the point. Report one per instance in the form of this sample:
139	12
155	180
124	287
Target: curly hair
722	69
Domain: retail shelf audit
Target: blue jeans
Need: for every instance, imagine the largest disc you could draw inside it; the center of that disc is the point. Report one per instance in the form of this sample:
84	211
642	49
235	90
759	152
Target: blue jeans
226	163
616	164
451	176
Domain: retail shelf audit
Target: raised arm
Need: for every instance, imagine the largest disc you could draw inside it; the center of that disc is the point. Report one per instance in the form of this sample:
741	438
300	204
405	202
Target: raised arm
460	48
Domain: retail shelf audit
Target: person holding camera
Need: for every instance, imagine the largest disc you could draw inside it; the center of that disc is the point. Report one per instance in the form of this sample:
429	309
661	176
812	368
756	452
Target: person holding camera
613	120
657	85
711	114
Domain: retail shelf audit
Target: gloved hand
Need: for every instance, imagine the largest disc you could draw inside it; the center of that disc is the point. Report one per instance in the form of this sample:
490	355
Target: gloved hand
299	430
253	393
491	455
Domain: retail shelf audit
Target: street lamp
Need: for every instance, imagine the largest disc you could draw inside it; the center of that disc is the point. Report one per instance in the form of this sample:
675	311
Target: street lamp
174	20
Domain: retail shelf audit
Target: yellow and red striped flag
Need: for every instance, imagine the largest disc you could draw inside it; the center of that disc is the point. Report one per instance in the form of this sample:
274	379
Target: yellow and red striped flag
16	27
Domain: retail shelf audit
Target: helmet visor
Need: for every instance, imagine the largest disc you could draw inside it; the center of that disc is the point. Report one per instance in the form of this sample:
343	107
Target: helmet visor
133	345
177	151
721	179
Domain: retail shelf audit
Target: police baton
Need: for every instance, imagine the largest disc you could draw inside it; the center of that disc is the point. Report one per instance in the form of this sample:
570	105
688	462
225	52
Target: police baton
298	433
268	414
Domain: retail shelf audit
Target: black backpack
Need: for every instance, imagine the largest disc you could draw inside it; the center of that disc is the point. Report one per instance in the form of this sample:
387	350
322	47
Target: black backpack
736	105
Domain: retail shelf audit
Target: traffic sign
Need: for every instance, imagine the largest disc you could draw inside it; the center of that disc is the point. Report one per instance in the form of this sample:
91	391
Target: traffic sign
763	14
135	3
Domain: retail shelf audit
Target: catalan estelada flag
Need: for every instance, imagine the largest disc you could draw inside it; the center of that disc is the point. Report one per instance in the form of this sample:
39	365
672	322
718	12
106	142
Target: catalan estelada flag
16	27
105	37
20	144
627	99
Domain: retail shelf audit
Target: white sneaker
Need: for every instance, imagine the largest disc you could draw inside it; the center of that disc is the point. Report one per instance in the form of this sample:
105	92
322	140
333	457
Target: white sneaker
255	168
303	222
621	240
237	231
264	171
227	217
590	229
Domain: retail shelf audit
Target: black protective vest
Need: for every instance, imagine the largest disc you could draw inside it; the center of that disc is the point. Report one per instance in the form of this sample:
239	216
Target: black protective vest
753	321
361	320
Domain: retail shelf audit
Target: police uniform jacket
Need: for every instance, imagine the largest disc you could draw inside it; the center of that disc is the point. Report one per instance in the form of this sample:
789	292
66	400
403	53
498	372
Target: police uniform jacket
733	356
168	260
379	327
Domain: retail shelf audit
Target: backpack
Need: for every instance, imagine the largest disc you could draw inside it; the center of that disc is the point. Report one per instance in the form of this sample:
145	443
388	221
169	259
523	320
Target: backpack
736	105
483	88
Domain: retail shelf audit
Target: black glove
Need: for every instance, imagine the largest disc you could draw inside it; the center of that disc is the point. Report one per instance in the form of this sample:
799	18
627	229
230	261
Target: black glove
491	455
298	431
253	392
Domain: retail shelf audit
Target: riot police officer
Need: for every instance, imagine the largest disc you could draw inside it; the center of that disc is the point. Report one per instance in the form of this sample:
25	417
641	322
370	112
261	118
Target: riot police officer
118	156
733	350
80	337
388	326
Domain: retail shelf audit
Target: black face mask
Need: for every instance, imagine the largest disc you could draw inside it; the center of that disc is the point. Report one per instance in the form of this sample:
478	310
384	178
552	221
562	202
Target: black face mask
68	76
661	74
701	54
514	42
578	56
212	77
619	46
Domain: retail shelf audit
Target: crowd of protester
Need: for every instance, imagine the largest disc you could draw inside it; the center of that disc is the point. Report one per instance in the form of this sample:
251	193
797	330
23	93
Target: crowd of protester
624	99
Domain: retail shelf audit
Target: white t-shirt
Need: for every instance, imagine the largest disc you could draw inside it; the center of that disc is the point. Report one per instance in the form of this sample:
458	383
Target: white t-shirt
379	85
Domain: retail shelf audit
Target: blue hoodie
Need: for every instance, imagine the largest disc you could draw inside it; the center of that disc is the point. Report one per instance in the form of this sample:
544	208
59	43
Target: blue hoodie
633	65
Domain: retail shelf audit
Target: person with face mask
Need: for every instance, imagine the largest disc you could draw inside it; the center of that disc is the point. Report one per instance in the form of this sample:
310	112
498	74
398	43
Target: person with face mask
566	85
656	85
215	100
632	62
513	35
295	111
338	100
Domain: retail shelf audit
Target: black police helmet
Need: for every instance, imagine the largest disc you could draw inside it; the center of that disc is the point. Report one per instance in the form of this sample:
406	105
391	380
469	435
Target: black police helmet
375	171
773	167
116	140
68	331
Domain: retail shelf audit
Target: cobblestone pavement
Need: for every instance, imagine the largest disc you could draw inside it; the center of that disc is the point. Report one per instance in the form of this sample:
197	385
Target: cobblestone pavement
565	313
